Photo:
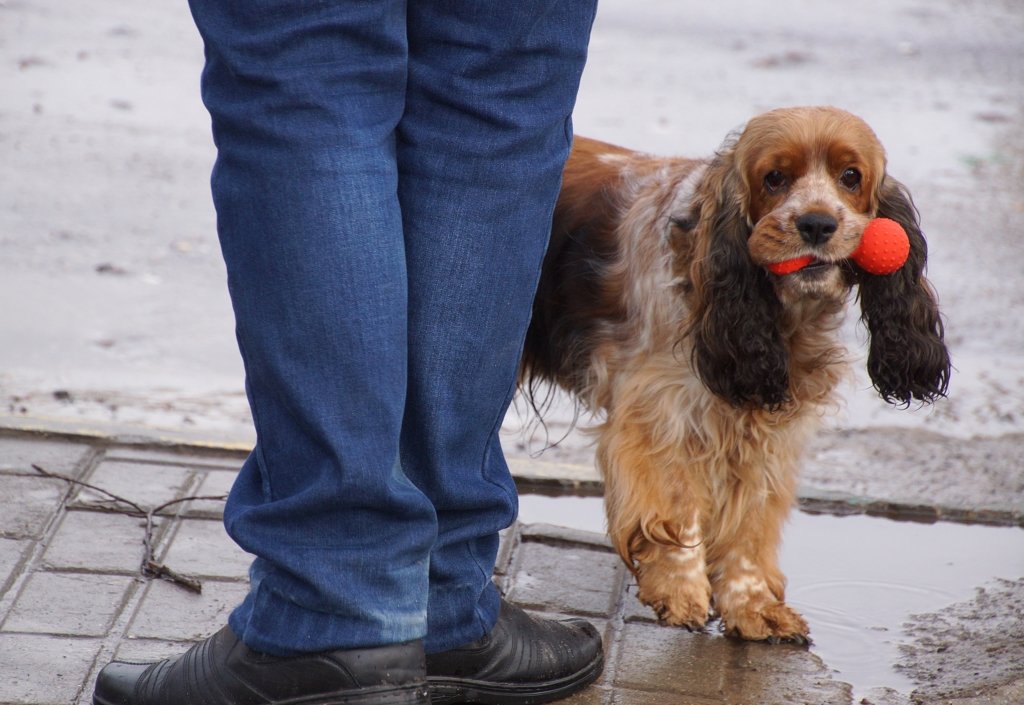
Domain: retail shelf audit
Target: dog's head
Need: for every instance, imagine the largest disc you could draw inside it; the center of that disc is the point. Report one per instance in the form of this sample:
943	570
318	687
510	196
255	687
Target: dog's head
805	182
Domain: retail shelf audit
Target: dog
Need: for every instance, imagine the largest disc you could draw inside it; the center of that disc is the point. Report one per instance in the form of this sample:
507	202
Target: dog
709	374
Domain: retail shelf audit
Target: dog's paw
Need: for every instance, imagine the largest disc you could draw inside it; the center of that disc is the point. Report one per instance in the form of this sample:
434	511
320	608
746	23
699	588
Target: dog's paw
678	603
773	622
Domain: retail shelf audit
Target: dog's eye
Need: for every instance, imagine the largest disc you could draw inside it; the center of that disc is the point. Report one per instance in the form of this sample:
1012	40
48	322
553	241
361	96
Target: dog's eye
774	180
850	179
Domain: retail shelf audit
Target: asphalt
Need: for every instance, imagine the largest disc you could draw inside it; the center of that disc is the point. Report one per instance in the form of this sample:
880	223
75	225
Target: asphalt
73	596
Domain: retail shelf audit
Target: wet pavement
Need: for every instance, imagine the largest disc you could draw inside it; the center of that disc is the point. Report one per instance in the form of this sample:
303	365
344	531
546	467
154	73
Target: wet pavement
107	231
72	596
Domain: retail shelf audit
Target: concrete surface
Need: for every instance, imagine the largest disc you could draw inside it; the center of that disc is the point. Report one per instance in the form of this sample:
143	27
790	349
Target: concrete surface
118	309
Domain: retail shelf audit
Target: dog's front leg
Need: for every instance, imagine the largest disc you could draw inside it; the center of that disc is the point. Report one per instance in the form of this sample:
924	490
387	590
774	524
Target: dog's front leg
749	587
655	520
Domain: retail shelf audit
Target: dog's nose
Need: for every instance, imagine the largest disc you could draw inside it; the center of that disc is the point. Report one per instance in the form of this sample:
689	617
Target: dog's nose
816	228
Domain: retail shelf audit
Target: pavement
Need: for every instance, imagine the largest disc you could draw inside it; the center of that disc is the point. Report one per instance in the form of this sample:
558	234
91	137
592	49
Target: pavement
108	234
72	596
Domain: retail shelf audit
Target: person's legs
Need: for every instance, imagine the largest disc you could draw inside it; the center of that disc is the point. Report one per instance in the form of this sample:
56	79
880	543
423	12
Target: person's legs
305	98
382	291
481	148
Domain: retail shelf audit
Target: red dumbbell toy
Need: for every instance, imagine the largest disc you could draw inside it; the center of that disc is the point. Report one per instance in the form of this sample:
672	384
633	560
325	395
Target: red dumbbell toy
884	248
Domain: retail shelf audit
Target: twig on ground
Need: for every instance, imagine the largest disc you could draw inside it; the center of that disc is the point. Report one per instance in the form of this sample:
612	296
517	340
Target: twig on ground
150	567
72	481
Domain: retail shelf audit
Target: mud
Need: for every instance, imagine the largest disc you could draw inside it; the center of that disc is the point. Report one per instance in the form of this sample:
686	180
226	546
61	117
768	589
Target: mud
931	475
969	648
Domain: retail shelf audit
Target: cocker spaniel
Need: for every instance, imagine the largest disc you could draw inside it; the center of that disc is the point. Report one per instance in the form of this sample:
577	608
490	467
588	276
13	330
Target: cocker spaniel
710	373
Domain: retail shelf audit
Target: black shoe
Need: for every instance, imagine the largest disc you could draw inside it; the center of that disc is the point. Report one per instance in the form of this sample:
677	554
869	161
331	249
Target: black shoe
224	671
523	660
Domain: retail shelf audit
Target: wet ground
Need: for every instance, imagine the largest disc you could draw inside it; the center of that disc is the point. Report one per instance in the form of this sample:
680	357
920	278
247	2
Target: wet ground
901	613
895	607
113	307
115	303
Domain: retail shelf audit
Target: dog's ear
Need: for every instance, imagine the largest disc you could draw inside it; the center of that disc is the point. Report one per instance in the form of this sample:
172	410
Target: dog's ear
738	351
907	358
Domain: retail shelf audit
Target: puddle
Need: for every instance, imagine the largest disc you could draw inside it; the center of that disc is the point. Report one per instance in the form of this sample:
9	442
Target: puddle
857	579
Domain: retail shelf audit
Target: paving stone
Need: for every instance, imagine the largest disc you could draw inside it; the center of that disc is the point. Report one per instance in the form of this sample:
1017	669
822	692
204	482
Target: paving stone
594	695
11	553
549	533
143	650
19	454
623	696
27	504
786	674
671	659
171	613
98	542
73	604
571	579
634	610
185	458
215	483
145	484
202	547
710	666
47	670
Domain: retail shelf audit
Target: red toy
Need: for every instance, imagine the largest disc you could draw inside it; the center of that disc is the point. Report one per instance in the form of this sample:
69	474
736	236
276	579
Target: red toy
884	248
790	265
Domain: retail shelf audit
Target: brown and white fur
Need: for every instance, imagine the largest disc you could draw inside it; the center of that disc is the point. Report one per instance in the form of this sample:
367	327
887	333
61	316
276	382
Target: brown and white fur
655	308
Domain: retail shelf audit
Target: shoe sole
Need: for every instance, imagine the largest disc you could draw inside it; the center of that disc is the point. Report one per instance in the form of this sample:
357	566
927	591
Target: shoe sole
450	691
416	695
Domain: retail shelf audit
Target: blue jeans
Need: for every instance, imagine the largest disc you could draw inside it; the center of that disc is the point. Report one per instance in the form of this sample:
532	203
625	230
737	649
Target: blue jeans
384	183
